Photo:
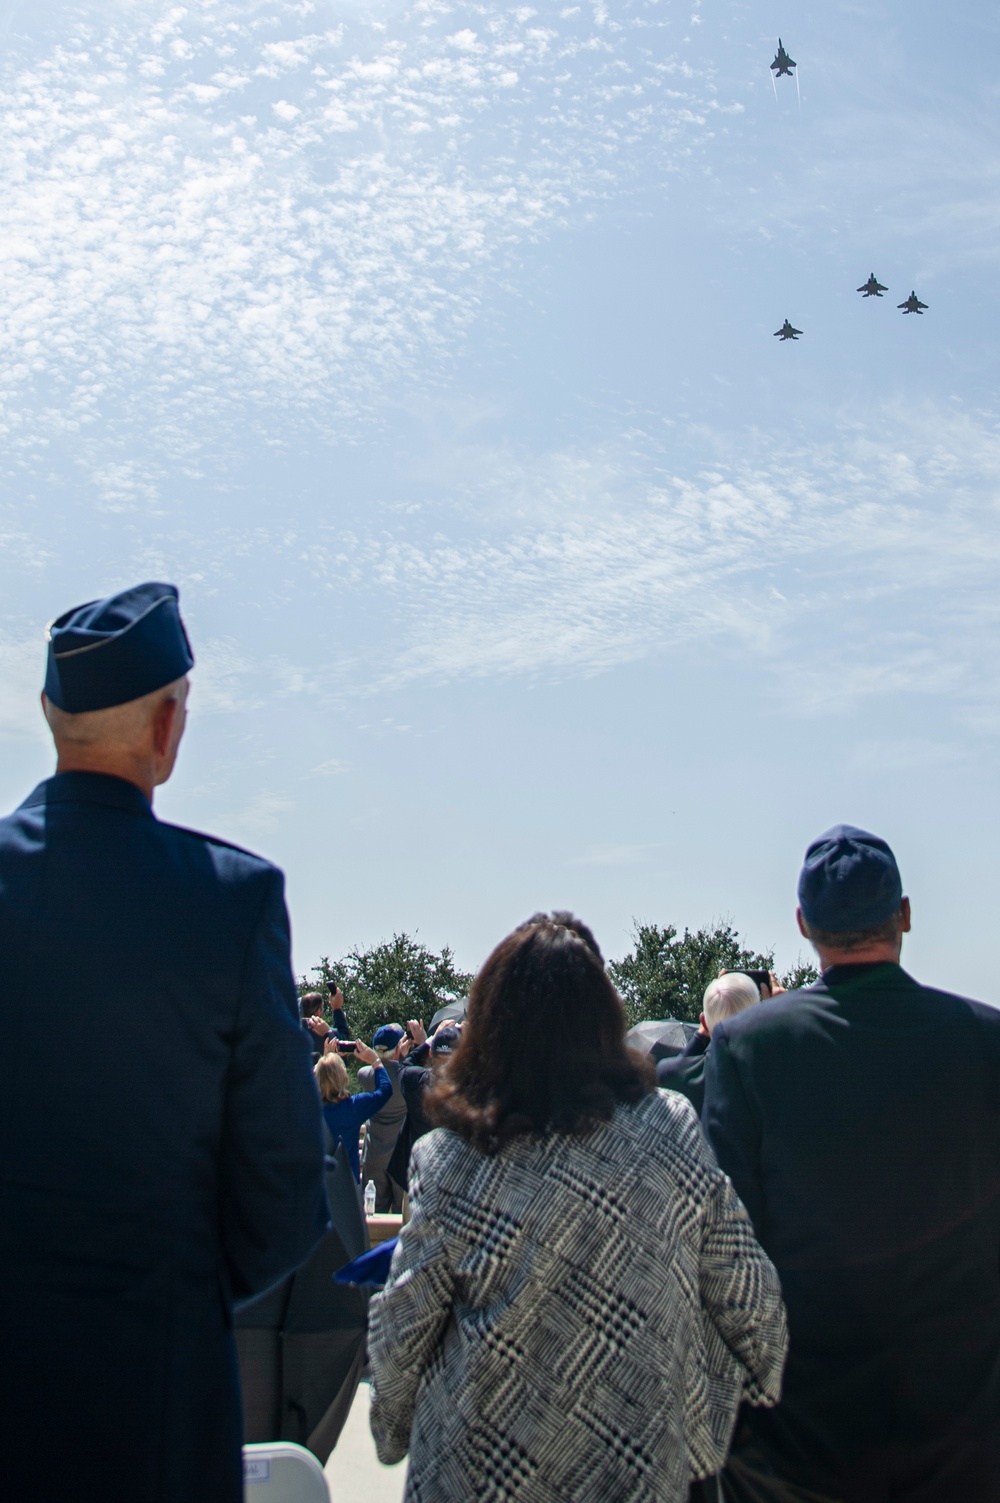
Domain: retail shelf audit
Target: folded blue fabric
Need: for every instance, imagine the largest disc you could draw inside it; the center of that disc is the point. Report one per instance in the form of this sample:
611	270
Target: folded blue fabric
371	1270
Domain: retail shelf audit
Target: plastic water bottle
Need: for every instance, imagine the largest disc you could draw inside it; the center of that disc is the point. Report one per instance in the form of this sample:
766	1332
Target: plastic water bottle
370	1198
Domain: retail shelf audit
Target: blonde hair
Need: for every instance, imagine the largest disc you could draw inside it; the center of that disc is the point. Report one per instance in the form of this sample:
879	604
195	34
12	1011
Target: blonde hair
332	1078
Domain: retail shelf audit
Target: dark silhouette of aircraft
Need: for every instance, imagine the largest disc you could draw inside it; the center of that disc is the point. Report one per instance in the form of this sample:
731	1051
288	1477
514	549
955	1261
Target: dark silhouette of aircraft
912	304
873	287
782	63
787	332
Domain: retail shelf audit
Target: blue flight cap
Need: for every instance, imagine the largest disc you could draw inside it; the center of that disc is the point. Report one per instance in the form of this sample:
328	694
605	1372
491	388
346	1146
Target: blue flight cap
849	881
446	1040
388	1036
109	652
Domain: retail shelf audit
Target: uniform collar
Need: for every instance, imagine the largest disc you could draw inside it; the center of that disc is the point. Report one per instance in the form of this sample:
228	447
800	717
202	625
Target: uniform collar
90	788
881	972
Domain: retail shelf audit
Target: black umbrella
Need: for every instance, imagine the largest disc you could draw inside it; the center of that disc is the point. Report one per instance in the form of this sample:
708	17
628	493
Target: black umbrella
454	1012
301	1346
663	1038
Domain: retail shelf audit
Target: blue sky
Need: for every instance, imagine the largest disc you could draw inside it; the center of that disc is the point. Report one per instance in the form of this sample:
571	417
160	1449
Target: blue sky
428	349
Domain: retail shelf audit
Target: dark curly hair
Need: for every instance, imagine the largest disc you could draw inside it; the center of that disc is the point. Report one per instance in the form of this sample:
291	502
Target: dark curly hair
543	1046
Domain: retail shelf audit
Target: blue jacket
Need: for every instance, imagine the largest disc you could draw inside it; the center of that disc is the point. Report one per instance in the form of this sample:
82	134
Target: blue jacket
143	1188
859	1120
344	1118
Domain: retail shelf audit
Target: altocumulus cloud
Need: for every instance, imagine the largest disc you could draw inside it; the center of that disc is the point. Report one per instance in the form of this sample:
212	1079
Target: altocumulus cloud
212	207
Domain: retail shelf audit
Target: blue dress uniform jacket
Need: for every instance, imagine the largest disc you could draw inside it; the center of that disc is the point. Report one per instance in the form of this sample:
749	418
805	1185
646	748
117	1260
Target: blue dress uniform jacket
143	1187
859	1120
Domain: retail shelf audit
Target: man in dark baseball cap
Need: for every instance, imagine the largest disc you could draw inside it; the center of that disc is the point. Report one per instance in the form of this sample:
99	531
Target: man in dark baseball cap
140	1206
859	1119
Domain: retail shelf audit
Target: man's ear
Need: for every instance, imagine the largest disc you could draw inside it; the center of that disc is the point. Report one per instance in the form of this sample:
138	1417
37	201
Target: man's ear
163	725
802	923
905	910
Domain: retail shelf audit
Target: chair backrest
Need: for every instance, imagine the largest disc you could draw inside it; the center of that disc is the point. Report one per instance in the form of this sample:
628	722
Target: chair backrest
282	1473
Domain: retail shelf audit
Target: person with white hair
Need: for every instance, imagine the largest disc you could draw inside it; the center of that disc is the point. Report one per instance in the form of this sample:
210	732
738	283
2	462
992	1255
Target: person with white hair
134	1221
727	995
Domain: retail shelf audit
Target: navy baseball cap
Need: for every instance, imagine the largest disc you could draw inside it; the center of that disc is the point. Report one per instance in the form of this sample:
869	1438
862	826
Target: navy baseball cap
388	1036
849	881
446	1040
111	651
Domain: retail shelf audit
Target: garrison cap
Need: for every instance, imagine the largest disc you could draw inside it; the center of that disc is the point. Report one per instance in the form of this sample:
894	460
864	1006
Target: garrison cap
849	881
111	651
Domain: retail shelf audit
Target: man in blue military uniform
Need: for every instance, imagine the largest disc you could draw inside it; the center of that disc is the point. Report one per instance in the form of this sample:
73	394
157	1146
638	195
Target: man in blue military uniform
143	1192
859	1119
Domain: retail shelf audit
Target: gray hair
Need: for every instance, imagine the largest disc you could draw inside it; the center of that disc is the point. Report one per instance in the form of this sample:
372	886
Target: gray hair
728	995
120	725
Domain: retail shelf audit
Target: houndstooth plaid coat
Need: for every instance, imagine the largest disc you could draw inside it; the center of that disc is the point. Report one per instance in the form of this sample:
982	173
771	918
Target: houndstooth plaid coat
574	1320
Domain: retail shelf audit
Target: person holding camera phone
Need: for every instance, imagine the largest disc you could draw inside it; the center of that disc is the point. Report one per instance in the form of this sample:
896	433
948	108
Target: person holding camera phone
320	1033
342	1112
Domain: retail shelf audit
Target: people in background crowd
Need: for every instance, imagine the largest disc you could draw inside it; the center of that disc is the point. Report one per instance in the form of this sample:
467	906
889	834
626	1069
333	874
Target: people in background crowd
343	1113
579	1302
391	1044
859	1119
319	1030
414	1078
727	995
125	1242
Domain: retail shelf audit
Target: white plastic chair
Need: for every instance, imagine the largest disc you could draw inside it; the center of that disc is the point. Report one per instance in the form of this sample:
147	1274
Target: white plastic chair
282	1472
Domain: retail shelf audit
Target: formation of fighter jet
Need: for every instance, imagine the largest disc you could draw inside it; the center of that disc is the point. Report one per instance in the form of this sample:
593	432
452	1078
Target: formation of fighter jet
783	64
787	332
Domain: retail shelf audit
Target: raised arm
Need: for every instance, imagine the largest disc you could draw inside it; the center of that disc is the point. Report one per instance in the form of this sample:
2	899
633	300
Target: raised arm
406	1322
273	1206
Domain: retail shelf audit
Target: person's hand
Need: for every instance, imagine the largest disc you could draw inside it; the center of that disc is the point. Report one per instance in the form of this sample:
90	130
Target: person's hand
365	1054
418	1033
336	998
448	1023
776	986
317	1025
330	1044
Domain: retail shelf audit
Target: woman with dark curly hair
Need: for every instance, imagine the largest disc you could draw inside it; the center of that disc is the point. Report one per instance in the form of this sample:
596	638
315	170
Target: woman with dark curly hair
578	1305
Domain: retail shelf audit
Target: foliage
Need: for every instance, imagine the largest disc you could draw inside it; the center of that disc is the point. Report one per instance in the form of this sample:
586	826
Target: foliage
396	980
665	976
662	976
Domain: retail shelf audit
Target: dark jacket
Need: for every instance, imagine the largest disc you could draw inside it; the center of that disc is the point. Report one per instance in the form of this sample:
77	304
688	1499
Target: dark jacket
413	1082
686	1071
344	1118
859	1120
193	1173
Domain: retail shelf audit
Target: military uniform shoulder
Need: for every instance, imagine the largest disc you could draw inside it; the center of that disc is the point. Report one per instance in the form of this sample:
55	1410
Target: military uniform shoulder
987	1012
245	858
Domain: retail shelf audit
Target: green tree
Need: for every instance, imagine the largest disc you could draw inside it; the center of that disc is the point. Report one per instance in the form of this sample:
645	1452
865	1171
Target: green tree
396	979
665	975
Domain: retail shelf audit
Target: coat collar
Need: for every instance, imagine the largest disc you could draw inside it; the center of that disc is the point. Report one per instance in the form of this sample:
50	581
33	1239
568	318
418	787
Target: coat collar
90	788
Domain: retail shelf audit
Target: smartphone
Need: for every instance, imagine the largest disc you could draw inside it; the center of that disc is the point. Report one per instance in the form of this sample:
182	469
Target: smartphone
343	1048
762	978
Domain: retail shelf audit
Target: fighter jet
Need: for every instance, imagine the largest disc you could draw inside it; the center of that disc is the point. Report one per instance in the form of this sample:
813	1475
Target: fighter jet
782	63
912	304
787	332
873	287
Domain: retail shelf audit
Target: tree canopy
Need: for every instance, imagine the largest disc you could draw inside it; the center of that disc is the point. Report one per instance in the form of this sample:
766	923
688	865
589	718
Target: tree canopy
664	975
397	979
